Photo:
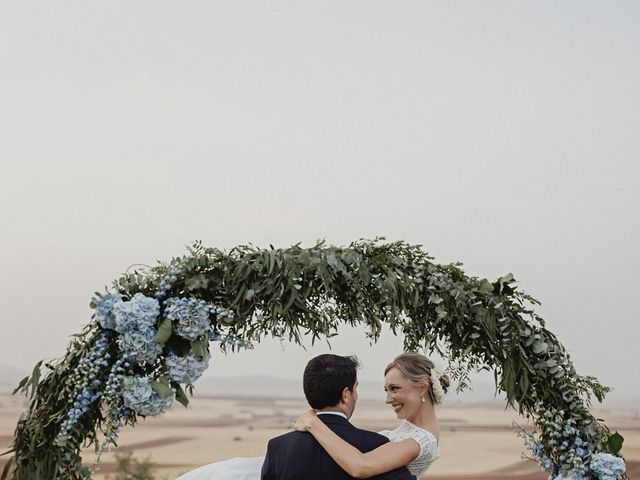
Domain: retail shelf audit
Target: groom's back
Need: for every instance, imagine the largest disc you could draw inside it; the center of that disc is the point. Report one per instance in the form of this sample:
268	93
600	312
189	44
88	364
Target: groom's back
298	456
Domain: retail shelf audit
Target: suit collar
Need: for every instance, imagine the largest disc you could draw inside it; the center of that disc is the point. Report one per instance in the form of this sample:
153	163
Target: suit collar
334	420
326	412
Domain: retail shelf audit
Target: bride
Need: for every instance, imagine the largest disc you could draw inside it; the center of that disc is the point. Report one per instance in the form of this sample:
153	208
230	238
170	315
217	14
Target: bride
413	387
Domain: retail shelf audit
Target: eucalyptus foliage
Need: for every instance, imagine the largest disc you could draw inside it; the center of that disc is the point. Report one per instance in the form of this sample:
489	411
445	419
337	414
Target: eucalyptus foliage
299	293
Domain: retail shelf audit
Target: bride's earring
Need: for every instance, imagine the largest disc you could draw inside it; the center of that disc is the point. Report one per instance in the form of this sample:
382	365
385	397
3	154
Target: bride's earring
422	398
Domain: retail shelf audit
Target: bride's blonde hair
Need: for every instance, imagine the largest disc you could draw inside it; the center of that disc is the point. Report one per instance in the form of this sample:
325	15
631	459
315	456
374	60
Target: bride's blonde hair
417	369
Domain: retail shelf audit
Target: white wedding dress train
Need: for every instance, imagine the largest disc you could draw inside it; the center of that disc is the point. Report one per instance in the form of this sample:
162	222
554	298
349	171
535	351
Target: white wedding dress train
250	468
233	469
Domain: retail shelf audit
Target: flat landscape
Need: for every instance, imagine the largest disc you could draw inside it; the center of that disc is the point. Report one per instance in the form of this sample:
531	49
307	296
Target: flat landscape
477	441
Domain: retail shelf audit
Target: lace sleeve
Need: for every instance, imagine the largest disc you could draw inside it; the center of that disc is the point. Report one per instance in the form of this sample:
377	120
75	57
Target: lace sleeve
428	451
428	445
426	440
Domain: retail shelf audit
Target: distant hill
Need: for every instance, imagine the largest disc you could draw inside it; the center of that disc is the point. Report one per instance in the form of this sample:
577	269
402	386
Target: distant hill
271	386
277	387
262	386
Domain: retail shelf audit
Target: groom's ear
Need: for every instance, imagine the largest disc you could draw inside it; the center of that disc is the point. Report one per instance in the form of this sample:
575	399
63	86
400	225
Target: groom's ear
344	396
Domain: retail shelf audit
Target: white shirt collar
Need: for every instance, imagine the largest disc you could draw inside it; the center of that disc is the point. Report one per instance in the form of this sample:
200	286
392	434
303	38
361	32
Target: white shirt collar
340	414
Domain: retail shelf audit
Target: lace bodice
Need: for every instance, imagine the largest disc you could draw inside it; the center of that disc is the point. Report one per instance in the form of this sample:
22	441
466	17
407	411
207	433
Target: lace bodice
426	440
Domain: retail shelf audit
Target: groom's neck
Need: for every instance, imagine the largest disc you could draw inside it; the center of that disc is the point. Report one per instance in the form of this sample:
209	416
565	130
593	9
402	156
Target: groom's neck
336	409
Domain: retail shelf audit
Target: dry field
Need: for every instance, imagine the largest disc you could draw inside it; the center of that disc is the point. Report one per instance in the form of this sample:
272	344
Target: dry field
476	441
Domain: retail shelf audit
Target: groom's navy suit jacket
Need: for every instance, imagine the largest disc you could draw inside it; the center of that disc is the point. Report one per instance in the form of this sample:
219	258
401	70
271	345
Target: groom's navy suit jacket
298	456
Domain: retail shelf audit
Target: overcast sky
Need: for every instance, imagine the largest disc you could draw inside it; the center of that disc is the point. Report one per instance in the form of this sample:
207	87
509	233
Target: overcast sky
502	134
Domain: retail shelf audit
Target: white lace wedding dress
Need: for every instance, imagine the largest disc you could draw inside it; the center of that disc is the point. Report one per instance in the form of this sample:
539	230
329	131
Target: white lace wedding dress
249	468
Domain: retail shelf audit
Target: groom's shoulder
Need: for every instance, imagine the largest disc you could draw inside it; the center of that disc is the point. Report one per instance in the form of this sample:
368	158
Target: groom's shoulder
289	437
372	439
365	440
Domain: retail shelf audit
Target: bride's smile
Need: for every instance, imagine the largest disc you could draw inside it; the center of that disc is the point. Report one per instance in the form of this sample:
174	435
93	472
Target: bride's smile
402	395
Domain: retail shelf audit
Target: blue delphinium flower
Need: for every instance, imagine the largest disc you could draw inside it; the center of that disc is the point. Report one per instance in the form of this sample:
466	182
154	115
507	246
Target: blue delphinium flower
189	316
581	452
113	386
140	397
186	369
607	466
87	388
165	286
104	310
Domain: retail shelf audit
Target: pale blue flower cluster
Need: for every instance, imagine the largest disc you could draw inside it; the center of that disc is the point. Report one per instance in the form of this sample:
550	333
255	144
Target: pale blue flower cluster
537	450
223	315
607	466
113	387
574	474
604	466
236	343
189	316
104	310
140	397
565	452
229	341
86	385
136	314
136	320
566	455
186	369
165	286
141	345
80	407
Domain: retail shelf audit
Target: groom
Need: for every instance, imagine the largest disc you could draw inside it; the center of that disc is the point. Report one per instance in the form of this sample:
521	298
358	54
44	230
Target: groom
330	387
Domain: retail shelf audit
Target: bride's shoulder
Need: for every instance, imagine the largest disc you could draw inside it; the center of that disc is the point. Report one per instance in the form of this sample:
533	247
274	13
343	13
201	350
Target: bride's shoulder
421	435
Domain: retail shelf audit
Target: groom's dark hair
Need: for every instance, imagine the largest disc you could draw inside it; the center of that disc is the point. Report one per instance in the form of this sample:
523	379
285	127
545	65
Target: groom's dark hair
326	376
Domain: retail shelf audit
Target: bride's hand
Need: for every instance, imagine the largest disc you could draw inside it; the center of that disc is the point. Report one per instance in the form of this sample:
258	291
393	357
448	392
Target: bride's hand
304	421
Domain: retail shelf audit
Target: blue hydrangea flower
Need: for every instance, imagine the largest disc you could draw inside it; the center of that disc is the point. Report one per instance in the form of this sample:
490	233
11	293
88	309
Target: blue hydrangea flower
141	345
607	466
104	310
140	397
136	320
189	316
186	369
137	313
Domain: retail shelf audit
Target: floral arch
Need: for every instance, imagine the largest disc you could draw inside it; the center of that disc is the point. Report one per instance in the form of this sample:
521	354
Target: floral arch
150	337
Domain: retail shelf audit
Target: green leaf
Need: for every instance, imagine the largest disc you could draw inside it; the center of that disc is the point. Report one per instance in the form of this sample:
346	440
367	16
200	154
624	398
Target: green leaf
180	395
615	443
162	388
164	331
35	379
508	278
199	348
7	468
22	383
486	287
179	345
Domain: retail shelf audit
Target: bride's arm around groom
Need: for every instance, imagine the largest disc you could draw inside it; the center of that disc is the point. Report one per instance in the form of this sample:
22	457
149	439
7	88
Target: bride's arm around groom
330	386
